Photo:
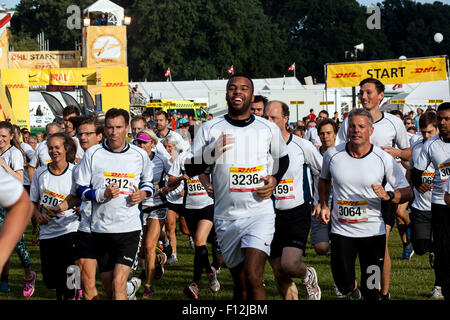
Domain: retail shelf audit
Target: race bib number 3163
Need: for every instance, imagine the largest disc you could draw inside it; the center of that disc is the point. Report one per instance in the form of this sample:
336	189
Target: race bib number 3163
352	211
195	188
246	179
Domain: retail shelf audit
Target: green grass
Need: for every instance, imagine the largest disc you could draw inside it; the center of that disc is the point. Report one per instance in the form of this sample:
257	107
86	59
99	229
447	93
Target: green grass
410	280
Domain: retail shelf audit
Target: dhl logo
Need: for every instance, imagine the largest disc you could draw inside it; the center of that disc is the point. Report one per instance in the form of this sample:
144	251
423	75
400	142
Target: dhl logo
352	203
114	84
119	175
193	181
61	76
286	181
444	165
428	174
246	170
425	70
54	194
15	86
346	75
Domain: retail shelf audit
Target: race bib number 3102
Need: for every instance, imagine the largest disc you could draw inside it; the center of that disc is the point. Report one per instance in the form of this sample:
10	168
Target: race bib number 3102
246	179
51	199
352	211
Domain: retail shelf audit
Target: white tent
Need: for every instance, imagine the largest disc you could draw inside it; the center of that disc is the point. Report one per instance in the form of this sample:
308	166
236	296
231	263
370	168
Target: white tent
115	12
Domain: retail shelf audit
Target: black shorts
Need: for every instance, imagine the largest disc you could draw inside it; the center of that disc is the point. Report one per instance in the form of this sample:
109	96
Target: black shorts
388	211
85	246
56	255
178	208
291	229
420	224
193	216
116	248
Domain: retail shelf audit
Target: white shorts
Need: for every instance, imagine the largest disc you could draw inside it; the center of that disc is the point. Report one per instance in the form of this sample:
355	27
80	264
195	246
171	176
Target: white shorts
235	235
159	214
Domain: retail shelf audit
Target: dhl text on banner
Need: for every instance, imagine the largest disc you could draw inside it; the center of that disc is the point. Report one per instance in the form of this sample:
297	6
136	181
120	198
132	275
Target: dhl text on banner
16	80
44	59
114	86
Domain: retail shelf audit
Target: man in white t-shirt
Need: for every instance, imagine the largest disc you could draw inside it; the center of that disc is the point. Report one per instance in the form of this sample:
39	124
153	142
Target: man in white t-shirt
162	131
238	145
116	177
356	171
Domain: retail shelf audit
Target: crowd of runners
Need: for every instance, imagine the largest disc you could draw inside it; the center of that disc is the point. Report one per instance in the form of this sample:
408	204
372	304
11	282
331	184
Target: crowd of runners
105	195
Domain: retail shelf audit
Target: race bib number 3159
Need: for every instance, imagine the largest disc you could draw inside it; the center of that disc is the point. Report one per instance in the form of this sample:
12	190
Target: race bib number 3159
285	190
352	211
246	179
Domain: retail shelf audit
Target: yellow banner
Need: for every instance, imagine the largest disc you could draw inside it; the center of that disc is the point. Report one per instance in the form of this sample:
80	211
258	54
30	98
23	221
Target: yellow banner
114	85
4	44
388	72
106	46
44	59
73	76
16	80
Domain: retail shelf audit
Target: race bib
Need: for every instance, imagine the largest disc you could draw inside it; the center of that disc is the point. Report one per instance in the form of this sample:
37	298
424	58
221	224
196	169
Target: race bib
123	180
50	199
285	190
155	187
246	179
444	170
352	211
428	178
195	188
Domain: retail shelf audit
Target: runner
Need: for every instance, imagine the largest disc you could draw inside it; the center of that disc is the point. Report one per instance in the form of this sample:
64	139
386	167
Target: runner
421	230
293	214
388	131
57	235
258	105
154	208
110	176
243	211
356	171
436	150
14	199
198	212
70	112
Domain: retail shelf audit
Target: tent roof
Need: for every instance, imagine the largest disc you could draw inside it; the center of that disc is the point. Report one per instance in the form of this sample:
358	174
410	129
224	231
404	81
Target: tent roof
103	6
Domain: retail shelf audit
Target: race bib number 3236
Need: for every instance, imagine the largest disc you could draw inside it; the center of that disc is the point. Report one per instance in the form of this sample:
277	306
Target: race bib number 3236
246	179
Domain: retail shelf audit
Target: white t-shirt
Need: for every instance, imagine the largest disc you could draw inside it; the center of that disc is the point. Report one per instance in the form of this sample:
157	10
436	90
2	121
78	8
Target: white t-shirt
289	192
41	156
101	166
196	195
161	165
13	158
239	171
29	153
422	201
50	190
10	189
312	135
85	206
356	208
437	152
80	151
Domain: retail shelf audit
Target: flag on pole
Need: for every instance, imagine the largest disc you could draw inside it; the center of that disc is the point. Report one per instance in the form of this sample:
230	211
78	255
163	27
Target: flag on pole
4	22
397	86
231	70
292	67
167	74
284	81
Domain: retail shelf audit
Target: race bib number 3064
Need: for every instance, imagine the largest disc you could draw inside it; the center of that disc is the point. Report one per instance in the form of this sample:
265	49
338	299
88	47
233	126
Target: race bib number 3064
246	179
352	211
123	180
444	170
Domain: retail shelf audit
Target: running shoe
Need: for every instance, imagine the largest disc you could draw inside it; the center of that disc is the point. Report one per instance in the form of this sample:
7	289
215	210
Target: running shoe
160	261
148	292
437	293
312	287
385	297
191	243
407	252
173	260
4	287
136	283
431	259
191	291
337	293
214	284
28	288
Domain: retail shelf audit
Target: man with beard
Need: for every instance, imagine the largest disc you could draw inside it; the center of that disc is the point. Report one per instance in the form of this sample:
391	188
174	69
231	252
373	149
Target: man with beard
238	146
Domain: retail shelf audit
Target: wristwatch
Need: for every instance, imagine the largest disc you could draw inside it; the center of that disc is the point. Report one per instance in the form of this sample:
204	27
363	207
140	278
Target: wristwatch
391	195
